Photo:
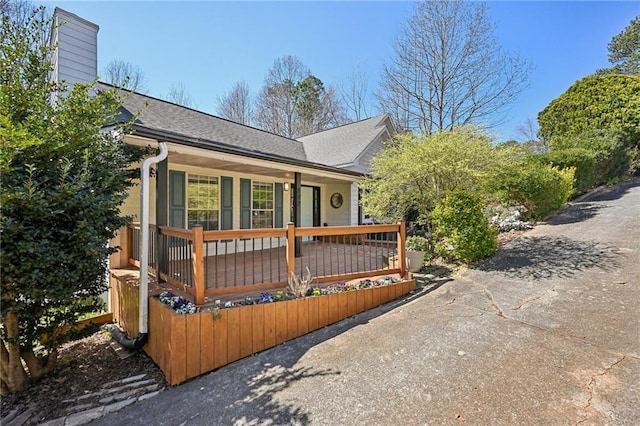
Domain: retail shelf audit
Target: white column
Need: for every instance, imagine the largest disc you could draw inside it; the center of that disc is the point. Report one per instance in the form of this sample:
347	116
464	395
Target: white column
354	204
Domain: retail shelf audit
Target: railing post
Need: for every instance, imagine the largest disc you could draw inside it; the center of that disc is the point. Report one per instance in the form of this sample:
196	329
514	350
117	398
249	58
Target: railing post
129	244
291	249
198	264
402	254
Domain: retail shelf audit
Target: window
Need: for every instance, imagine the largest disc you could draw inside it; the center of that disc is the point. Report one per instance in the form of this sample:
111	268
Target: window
203	202
261	205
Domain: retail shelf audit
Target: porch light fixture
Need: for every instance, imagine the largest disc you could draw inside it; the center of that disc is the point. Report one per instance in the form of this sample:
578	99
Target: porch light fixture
286	186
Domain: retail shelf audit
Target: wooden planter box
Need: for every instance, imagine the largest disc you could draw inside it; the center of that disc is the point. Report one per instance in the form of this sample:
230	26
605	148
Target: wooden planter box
186	346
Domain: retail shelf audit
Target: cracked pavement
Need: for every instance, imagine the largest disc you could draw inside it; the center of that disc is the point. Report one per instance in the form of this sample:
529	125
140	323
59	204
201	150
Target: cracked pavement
546	332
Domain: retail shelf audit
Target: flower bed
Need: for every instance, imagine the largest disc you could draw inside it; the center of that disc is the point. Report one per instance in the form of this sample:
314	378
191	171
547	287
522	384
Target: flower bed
183	306
186	346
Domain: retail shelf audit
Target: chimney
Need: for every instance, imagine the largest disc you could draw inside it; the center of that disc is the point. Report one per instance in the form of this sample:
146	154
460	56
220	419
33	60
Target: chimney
75	59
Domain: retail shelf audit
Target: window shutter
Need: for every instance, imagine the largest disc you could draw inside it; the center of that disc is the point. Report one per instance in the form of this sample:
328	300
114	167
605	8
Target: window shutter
177	211
279	206
245	203
226	211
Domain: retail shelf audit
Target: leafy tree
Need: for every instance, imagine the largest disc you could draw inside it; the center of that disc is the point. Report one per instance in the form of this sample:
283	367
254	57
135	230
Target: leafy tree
293	102
610	102
235	105
125	75
448	70
416	173
624	51
316	108
461	229
62	183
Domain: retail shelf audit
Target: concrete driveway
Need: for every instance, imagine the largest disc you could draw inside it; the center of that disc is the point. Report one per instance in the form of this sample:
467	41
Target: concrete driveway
547	332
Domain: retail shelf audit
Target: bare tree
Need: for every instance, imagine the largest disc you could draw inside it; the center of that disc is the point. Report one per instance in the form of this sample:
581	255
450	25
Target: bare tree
354	94
178	95
125	75
528	135
293	102
330	113
528	131
235	105
448	70
275	106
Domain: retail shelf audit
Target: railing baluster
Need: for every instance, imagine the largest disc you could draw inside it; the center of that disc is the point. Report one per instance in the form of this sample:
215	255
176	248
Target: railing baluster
327	252
226	252
206	265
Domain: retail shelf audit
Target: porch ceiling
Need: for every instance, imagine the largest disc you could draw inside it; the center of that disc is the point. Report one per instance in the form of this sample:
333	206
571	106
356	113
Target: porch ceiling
270	169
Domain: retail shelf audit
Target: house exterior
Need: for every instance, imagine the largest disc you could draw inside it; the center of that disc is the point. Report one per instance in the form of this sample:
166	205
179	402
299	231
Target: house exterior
224	175
232	212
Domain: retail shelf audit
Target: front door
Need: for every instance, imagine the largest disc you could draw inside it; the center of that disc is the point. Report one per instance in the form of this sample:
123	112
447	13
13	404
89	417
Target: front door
310	206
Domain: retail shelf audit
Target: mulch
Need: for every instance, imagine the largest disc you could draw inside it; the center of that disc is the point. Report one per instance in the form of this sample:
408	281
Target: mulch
84	365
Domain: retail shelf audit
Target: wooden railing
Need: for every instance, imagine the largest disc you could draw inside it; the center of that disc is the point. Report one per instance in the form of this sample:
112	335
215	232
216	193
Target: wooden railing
212	263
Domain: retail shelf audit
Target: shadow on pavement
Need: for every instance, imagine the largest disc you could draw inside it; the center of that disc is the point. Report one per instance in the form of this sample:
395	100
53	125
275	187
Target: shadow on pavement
613	192
574	213
550	257
261	389
246	391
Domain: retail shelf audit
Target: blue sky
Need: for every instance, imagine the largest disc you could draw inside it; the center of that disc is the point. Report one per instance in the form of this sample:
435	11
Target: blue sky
209	45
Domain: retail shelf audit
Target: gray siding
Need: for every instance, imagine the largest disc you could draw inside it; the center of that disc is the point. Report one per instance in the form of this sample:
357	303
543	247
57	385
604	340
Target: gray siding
363	163
76	57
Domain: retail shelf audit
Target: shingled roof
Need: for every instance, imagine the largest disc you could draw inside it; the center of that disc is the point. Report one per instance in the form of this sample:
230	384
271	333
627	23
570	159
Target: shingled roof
342	145
162	117
329	148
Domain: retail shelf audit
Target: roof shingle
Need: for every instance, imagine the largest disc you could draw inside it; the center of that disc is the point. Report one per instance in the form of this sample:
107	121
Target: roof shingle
163	116
342	145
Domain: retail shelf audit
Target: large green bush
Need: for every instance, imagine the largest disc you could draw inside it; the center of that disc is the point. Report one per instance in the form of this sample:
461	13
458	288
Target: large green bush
610	148
581	159
62	183
461	229
540	188
610	102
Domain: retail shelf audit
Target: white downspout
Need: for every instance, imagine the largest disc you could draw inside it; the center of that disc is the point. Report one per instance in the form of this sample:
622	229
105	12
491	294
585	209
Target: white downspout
144	236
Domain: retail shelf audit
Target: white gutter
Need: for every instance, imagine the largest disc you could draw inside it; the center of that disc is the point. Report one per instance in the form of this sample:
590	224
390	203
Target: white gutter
144	236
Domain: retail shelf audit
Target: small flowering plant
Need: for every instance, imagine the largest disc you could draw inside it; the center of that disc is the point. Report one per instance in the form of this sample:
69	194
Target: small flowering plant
417	243
266	298
179	304
247	301
183	306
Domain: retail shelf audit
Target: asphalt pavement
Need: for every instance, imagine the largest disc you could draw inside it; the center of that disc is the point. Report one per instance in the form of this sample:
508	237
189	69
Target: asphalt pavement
546	332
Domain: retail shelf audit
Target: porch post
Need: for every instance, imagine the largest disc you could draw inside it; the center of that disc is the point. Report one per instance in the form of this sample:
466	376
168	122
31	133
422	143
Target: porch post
297	210
291	261
402	253
162	213
198	265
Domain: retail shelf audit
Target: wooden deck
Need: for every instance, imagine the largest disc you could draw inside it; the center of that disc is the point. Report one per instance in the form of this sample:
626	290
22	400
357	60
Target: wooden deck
244	272
216	263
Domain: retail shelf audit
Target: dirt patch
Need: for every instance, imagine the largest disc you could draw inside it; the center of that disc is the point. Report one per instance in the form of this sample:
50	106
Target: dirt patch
84	365
506	237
